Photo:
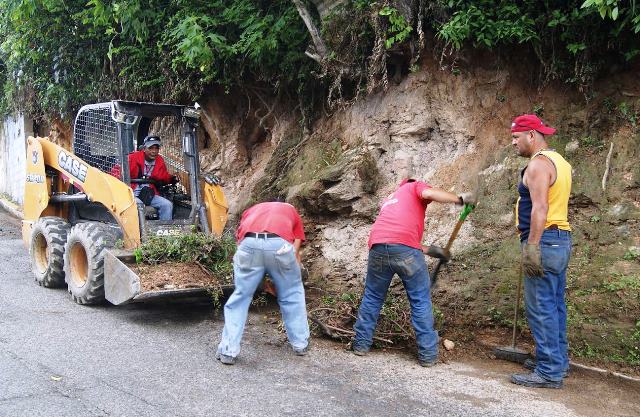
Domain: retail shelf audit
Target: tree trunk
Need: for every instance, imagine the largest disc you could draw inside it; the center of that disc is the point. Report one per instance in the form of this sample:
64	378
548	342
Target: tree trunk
320	49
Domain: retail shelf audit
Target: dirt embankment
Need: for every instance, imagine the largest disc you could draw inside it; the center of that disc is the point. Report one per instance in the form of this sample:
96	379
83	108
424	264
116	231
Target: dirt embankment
453	131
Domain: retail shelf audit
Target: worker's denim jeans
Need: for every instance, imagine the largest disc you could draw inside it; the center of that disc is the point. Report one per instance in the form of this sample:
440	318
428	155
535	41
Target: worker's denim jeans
385	260
164	207
546	308
254	257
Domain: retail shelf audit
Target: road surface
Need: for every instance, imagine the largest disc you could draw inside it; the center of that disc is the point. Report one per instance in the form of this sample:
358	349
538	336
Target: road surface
59	358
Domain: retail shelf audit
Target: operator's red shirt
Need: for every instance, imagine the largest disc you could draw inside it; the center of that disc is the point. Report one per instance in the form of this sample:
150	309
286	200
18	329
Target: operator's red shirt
136	170
159	172
279	218
401	218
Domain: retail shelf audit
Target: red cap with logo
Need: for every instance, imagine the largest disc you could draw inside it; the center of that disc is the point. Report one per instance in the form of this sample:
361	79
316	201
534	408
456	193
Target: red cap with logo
530	122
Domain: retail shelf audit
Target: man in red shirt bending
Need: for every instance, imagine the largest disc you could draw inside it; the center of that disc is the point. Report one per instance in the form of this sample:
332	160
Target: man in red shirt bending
395	248
269	239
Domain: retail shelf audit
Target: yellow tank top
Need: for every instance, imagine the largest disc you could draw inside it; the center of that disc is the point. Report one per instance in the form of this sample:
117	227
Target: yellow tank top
558	192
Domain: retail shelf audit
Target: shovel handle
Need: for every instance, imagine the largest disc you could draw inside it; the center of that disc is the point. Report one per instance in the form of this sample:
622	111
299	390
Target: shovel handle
468	208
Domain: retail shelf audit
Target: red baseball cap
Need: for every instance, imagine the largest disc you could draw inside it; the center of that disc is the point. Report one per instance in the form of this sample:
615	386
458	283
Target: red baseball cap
530	122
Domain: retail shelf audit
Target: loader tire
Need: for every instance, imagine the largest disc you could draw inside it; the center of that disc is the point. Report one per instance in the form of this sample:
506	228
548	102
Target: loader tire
84	260
48	238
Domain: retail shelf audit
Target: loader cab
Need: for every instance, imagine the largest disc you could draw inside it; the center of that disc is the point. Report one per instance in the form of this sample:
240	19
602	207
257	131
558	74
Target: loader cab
106	133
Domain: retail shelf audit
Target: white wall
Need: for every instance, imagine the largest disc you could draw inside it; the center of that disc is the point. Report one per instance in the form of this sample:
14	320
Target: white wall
14	131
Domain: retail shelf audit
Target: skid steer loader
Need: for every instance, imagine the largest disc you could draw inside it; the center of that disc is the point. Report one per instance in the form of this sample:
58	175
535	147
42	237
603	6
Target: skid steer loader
79	204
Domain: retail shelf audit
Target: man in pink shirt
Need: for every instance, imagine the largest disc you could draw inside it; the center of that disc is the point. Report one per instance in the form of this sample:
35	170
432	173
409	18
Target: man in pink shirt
269	239
395	247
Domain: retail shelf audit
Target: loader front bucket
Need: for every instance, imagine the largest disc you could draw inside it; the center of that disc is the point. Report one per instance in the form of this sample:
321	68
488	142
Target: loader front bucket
122	285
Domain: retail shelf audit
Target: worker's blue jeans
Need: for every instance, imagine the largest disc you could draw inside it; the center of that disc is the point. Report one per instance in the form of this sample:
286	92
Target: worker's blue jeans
254	257
385	260
164	207
546	307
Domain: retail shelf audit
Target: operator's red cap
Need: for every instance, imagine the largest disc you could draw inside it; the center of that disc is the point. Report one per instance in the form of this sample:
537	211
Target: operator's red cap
530	122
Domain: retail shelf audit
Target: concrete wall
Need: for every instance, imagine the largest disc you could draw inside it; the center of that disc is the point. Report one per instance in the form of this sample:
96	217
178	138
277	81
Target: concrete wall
14	131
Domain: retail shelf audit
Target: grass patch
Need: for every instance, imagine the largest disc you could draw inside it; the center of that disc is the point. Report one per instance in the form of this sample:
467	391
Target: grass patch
213	254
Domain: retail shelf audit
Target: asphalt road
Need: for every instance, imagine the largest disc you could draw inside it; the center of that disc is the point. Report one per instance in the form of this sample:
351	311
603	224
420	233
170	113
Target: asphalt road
59	358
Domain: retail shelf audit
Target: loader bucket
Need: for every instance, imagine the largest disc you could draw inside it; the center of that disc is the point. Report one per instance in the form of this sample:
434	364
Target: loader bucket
122	285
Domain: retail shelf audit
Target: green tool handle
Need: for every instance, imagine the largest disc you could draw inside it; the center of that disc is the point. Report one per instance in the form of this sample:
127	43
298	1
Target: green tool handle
468	208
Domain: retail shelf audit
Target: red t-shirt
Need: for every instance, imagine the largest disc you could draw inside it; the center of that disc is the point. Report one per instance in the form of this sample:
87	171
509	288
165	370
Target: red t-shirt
401	218
279	218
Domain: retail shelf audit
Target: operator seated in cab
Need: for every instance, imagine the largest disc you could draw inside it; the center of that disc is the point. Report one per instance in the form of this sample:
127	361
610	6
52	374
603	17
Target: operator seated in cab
147	164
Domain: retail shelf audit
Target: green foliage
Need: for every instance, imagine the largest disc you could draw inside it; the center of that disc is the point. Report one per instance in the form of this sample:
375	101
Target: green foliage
328	300
213	253
573	40
627	347
487	24
628	113
592	143
632	254
58	55
398	29
623	282
614	9
538	109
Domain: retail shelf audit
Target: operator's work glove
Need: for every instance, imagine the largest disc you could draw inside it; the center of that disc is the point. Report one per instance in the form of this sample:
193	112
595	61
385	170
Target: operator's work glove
174	179
468	198
532	261
437	252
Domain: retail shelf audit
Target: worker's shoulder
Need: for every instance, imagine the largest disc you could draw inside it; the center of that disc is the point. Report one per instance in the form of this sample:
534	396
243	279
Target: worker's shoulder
541	162
274	205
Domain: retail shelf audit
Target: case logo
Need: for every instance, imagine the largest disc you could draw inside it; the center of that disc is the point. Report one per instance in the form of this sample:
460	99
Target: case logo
168	232
72	166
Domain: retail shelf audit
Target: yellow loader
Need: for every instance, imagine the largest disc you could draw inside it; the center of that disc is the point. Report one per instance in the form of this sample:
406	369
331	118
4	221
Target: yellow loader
79	205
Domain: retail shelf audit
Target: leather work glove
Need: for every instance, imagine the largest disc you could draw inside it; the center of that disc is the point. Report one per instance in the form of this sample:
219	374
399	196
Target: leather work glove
437	252
468	198
532	261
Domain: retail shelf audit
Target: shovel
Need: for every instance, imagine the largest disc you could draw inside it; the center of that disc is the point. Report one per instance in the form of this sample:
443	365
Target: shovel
468	208
512	353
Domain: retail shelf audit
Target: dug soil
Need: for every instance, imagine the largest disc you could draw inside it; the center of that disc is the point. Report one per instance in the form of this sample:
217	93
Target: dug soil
174	275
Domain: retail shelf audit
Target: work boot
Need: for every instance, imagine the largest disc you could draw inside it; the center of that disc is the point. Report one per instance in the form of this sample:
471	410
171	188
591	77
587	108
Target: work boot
427	364
301	352
534	380
359	352
225	359
530	364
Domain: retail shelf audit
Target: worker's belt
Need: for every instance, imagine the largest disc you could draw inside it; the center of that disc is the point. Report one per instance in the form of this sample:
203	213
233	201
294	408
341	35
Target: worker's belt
261	235
553	227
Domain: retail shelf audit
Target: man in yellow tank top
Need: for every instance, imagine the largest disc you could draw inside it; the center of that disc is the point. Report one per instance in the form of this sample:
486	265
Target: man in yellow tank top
545	237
